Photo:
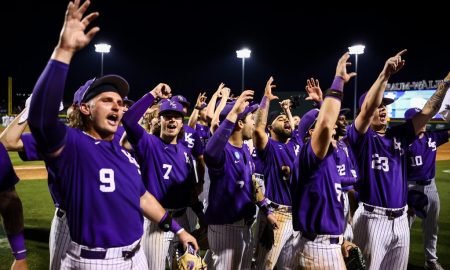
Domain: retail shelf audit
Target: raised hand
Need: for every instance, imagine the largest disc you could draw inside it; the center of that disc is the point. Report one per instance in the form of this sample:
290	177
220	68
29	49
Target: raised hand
341	68
394	64
73	36
162	90
200	99
242	101
268	89
286	104
219	89
313	89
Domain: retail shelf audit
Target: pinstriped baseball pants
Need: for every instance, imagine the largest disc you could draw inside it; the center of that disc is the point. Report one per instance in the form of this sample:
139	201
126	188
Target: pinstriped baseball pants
59	240
383	241
430	223
231	246
285	238
320	253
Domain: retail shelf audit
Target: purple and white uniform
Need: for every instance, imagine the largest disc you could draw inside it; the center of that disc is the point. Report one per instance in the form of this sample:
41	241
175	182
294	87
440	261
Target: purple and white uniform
59	232
230	212
167	174
99	183
421	158
275	165
380	224
347	170
204	132
316	182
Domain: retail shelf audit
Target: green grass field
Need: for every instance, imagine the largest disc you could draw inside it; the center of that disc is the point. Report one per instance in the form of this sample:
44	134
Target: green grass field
38	211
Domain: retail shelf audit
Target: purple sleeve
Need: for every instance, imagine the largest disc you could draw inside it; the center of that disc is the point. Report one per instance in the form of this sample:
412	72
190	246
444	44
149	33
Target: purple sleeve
199	148
131	118
440	137
30	152
45	126
214	151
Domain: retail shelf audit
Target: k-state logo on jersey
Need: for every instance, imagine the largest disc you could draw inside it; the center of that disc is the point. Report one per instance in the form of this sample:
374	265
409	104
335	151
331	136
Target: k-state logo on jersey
431	144
188	138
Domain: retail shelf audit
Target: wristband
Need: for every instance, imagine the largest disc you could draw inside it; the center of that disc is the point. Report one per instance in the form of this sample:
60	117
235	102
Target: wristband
17	243
338	83
339	95
168	224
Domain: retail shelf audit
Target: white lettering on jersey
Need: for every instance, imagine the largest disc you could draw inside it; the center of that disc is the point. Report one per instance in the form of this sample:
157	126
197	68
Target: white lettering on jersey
106	176
431	144
338	188
380	163
188	138
169	169
131	159
416	161
341	169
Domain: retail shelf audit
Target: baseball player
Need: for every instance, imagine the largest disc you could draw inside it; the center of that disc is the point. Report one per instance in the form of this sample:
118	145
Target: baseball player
380	223
15	140
166	166
11	211
316	185
230	212
421	160
275	158
100	183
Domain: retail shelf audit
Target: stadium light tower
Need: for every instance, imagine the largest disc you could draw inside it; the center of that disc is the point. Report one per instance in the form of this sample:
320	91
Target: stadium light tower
356	49
244	53
102	48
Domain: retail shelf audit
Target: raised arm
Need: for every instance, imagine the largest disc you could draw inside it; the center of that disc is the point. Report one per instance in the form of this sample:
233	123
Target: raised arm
194	115
375	94
216	144
260	137
10	137
131	118
212	103
432	106
48	131
286	106
225	93
329	111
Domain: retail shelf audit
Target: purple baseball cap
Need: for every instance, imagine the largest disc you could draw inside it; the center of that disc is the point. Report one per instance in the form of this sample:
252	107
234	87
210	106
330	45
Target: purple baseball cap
181	99
128	102
386	101
344	111
227	109
169	105
411	112
95	86
202	106
307	122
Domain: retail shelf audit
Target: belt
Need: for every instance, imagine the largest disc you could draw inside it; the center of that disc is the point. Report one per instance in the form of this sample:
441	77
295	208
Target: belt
313	236
60	213
391	214
101	254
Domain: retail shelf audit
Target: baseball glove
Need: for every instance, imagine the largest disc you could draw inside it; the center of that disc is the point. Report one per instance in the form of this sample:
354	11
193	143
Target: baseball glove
190	260
355	259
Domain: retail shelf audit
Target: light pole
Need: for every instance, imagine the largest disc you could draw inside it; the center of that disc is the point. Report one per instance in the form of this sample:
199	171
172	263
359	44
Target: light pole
244	53
356	49
102	48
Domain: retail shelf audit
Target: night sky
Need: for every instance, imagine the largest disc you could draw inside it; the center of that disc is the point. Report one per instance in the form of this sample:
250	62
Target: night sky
191	45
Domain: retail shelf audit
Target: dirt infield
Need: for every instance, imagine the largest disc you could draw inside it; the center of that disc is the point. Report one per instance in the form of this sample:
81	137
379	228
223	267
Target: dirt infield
39	172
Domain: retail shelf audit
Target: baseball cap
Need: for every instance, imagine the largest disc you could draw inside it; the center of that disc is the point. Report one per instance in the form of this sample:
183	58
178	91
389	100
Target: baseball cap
273	116
344	111
227	109
202	106
168	105
95	86
181	99
418	201
24	116
307	122
411	112
386	101
128	102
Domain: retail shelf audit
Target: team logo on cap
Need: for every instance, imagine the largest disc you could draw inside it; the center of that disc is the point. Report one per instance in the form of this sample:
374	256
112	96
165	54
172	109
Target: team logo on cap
172	104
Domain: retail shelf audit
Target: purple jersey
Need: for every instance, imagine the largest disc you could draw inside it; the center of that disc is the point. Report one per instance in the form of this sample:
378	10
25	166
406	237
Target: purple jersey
275	163
100	187
381	164
346	164
192	141
167	170
30	153
8	177
204	133
317	203
231	191
421	155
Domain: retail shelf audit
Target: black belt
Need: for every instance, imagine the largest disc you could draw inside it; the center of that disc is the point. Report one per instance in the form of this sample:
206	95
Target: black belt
313	236
101	254
391	214
423	183
60	213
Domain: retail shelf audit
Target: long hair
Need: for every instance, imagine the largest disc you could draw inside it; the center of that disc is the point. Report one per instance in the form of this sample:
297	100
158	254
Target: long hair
76	119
